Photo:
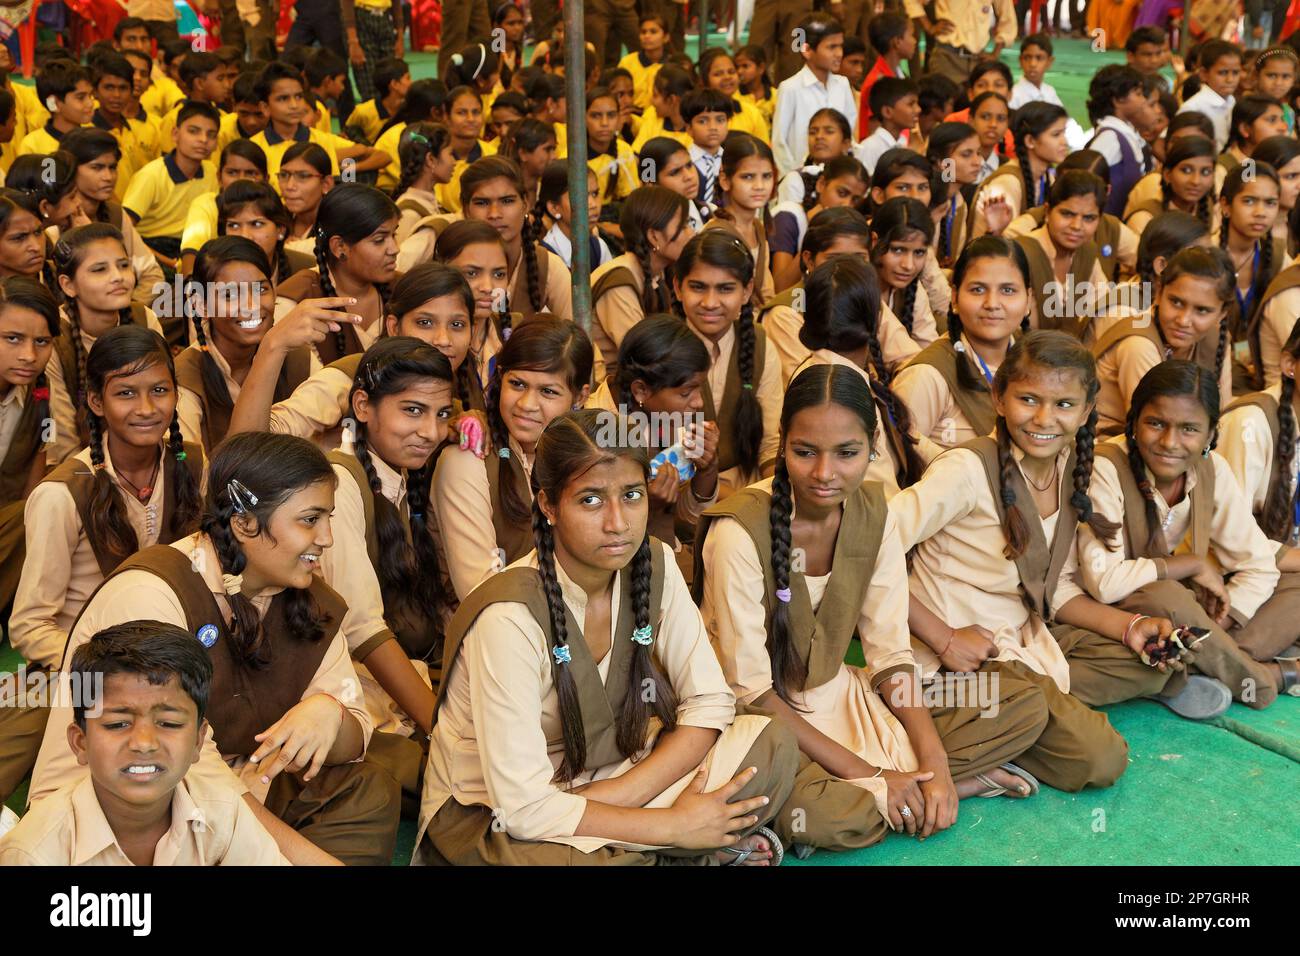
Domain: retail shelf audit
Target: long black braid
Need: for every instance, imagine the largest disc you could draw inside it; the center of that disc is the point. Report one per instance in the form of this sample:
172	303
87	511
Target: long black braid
789	671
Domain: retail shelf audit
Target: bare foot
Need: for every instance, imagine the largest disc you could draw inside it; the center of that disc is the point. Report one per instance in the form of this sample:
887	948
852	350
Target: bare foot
1016	786
762	855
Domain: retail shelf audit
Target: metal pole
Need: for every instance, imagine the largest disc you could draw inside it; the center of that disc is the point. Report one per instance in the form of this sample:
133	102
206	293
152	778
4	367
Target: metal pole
575	82
704	28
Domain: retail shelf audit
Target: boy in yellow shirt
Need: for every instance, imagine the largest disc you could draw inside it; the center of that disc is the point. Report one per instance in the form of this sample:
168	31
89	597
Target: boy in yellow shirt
65	89
203	77
143	126
327	74
159	196
131	33
280	90
250	116
29	114
165	91
141	691
392	78
113	78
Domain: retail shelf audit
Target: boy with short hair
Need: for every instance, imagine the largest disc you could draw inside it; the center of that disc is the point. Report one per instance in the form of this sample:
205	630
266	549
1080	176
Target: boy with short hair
894	39
29	114
894	103
1035	60
114	79
66	91
853	64
159	196
1147	51
1219	69
143	731
1120	108
706	114
817	86
280	92
165	92
131	33
203	77
392	78
142	124
327	75
232	61
249	117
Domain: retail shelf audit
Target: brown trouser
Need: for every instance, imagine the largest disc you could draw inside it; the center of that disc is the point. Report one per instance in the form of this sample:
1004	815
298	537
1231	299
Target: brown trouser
465	836
463	21
350	811
857	14
21	731
1276	625
1219	655
1104	671
825	811
952	63
404	759
255	42
610	25
1078	748
773	29
13	550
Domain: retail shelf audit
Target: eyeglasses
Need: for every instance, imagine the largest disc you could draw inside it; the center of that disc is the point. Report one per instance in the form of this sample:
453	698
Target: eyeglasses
288	175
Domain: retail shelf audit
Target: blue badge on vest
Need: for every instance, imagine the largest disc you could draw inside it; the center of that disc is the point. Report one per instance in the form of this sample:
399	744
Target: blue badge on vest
208	635
1106	251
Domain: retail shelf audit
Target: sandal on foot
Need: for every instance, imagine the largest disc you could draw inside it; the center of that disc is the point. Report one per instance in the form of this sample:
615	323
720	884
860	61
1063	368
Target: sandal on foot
1202	698
997	790
1290	676
778	851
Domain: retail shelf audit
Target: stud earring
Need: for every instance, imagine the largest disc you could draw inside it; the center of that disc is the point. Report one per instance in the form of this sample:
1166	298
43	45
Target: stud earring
1205	452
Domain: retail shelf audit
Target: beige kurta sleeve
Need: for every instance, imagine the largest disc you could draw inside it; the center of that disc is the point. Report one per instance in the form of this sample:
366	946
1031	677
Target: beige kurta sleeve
131	596
148	273
462	501
886	641
1239	544
189	412
896	346
936	282
251	844
782	324
943	495
1246	444
1110	576
733	609
1010	188
559	286
347	569
617	311
317	405
1279	318
65	442
53	531
926	394
337	677
770	398
1127	251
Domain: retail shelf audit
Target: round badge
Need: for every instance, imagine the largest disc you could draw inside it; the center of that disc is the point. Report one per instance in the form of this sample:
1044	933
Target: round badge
1106	251
208	635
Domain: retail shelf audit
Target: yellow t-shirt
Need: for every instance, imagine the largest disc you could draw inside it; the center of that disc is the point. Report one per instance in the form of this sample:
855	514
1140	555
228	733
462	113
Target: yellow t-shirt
765	106
652	125
161	96
160	196
612	187
29	115
643	78
369	118
43	140
200	223
449	193
228	131
387	144
167	125
750	120
275	147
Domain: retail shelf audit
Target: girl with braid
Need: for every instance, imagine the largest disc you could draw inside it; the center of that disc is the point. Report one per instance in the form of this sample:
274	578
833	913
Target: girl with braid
947	386
247	586
23	243
137	483
840	181
477	251
656	225
993	578
1283	154
954	147
482	503
522	766
531	145
901	232
1164	236
95	284
384	563
843	311
553	202
1250	203
1186	184
492	191
714	283
356	257
1190	549
230	296
425	155
1021	183
256	212
1188	320
746	181
874	758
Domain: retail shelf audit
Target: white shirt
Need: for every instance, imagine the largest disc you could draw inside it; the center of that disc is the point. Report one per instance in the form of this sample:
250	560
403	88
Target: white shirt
559	244
988	166
797	99
709	165
876	145
1109	146
1214	106
791	188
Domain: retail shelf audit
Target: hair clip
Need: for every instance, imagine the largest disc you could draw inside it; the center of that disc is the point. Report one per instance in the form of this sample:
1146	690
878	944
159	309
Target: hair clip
232	583
748	385
241	499
419	138
643	636
181	455
561	653
98	466
783	595
959	347
503	452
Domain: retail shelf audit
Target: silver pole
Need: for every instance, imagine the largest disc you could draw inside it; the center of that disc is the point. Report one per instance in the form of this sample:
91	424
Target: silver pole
575	81
704	28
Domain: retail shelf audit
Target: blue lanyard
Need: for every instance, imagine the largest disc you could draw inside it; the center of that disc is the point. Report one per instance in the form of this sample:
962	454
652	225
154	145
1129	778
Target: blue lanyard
1042	191
988	376
952	214
1243	304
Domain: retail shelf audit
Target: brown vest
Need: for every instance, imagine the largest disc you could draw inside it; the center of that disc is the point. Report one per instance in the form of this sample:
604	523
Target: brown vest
216	402
1287	279
822	639
409	203
977	407
785	298
65	349
306	285
616	278
16	469
244	701
1040	565
416	633
80	481
1050	294
1137	531
1267	404
599	702
724	413
515	539
1106	238
519	300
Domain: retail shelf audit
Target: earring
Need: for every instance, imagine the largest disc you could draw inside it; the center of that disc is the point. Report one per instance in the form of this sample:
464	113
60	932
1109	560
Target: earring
1205	452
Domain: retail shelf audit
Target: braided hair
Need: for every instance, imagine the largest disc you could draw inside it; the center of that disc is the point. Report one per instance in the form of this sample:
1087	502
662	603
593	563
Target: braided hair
273	468
660	352
1212	265
352	212
50	178
570	446
723	249
424	283
842	315
491	168
1279	152
545	344
124	351
985	247
814	387
1279	521
901	219
943	142
1162	238
1175	377
86	145
1033	119
458	237
1050	350
652	207
417	143
243	193
1180	151
408	568
1233	184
